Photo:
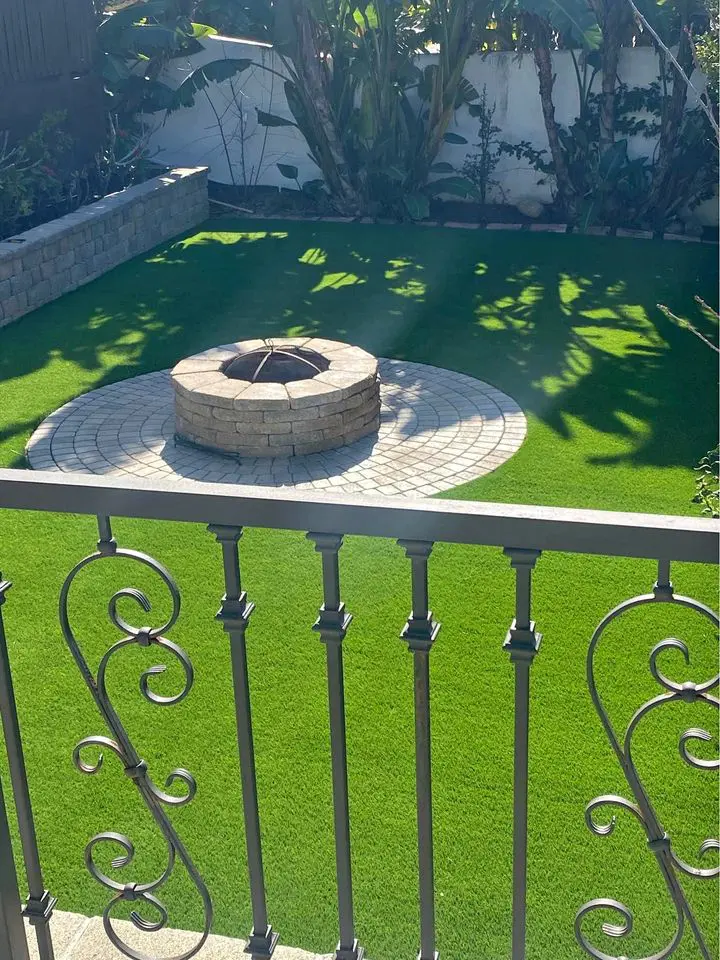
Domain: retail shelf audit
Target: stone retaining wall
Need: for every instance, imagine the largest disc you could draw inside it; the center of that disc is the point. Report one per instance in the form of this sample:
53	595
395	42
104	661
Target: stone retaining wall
44	263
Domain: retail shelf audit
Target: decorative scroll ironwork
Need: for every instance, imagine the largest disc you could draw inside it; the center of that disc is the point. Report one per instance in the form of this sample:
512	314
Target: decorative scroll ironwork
120	744
659	843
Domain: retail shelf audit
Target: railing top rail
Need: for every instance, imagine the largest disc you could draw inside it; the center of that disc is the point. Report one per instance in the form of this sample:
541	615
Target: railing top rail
452	521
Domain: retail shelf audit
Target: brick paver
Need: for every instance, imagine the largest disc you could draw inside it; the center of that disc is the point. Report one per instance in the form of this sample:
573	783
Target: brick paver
438	429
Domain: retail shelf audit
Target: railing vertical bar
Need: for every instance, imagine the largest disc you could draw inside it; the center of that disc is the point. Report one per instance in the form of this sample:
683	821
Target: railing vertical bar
420	632
421	669
663	587
235	611
12	929
332	624
40	903
522	643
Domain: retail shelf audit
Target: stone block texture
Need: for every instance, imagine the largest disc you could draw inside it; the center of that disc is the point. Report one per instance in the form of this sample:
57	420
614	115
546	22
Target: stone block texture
46	262
331	409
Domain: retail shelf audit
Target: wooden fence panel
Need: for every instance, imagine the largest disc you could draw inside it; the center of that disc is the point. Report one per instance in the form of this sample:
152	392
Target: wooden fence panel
40	39
47	60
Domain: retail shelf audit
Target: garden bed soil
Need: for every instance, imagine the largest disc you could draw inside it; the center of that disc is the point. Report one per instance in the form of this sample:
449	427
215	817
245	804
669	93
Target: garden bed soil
274	201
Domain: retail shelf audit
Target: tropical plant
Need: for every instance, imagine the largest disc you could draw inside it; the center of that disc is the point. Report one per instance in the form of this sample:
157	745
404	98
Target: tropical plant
613	17
594	178
590	185
247	19
137	42
670	25
542	20
606	185
707	51
372	119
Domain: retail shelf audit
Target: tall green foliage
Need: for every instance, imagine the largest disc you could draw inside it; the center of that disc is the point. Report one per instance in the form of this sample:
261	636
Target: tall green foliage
596	179
707	51
373	120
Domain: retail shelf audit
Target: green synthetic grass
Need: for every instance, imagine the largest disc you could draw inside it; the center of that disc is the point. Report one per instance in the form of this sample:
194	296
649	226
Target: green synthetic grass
620	404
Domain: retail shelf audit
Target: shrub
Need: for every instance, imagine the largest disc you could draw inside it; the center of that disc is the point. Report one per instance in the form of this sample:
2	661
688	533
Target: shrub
39	181
707	483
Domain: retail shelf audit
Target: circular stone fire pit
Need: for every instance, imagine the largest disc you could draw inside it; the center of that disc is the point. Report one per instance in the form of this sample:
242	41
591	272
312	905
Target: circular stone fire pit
276	398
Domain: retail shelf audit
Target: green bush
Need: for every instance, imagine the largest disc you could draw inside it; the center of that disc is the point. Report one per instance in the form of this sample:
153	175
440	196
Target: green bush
707	51
40	181
32	171
707	483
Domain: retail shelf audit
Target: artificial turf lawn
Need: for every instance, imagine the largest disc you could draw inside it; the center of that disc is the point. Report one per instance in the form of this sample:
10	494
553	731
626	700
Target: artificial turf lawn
619	405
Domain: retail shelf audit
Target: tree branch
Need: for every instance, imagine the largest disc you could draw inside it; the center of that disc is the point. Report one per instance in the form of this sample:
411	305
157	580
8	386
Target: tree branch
673	60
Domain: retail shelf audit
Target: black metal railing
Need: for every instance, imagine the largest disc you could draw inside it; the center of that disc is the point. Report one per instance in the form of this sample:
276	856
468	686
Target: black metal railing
523	533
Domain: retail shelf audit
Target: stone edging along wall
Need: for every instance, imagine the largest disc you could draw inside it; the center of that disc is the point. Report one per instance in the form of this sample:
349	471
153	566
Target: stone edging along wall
462	225
47	261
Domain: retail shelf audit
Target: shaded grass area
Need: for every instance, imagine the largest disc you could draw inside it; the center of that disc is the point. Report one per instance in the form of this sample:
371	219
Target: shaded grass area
618	407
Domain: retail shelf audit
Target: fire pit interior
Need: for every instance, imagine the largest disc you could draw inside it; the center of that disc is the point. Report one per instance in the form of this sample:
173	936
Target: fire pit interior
273	364
277	398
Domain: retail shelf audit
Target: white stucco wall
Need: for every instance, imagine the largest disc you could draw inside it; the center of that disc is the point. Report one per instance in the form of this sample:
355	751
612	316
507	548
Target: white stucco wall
195	132
191	137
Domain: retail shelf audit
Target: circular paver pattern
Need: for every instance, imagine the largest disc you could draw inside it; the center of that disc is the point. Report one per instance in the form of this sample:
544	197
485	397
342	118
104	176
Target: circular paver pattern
438	429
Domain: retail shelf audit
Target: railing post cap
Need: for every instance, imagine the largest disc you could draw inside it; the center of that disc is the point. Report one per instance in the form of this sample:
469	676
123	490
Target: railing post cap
326	542
522	556
225	533
416	548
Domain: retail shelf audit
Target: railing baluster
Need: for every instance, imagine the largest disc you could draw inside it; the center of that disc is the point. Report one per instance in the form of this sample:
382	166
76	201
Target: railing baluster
420	632
40	903
332	625
235	611
522	643
12	930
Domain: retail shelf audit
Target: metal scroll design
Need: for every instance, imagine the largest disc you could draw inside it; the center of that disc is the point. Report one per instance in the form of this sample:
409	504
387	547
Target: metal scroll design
120	744
659	843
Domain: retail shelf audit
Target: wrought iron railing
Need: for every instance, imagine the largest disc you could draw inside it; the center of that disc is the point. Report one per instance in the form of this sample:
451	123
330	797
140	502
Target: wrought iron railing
522	532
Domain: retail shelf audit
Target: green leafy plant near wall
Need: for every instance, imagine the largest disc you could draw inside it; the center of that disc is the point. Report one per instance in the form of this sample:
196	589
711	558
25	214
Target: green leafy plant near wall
136	44
707	51
373	120
609	186
31	172
480	167
39	179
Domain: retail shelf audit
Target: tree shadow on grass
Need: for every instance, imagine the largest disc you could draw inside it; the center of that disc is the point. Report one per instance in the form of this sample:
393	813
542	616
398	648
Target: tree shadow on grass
566	325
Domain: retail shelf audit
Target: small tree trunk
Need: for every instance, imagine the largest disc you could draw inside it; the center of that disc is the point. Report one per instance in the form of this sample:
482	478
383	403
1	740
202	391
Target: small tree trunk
454	50
539	31
611	15
313	90
667	146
